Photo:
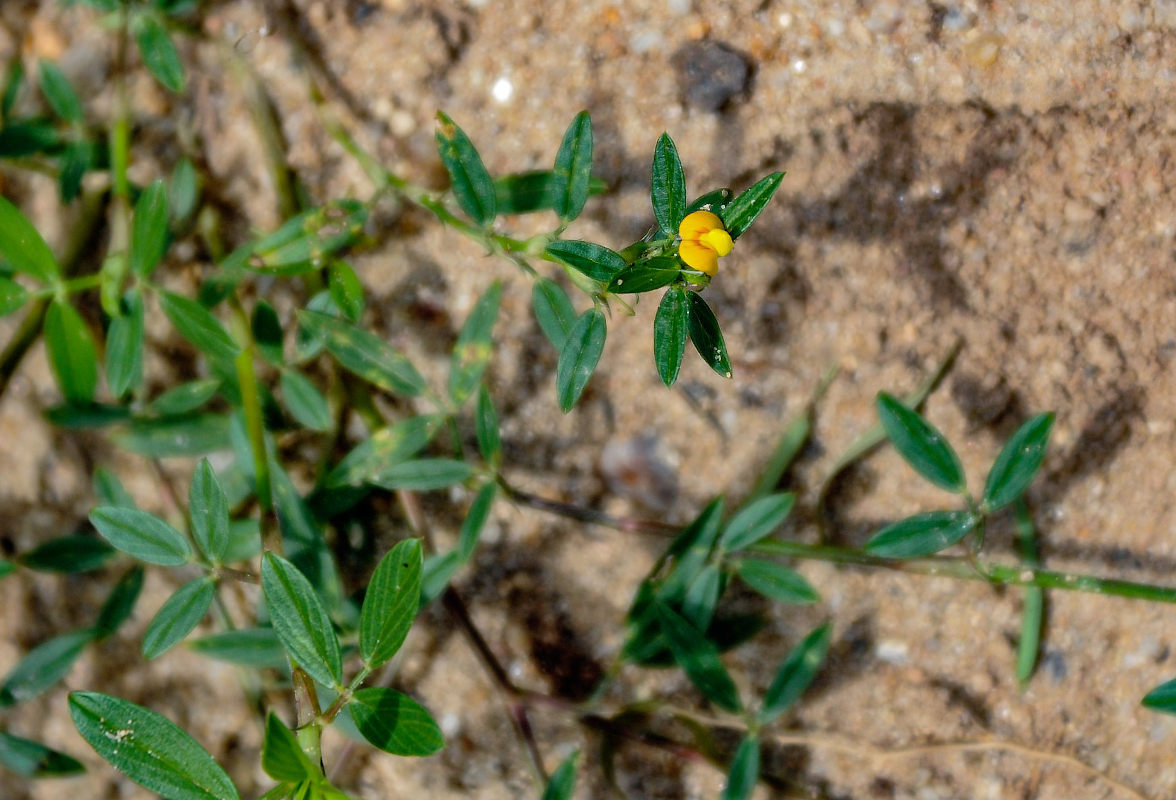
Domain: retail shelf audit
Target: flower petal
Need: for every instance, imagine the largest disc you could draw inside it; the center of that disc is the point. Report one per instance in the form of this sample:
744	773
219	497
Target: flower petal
718	240
697	224
699	256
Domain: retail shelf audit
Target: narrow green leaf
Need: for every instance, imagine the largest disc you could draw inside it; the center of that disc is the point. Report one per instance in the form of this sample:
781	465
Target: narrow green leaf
157	51
668	186
142	535
178	616
1018	462
71	352
562	783
110	491
88	416
796	673
573	169
474	346
244	541
12	296
249	647
267	332
43	666
646	276
300	620
594	260
472	185
475	520
60	94
208	510
1033	615
281	755
304	402
706	335
69	554
921	535
185	398
438	570
14	77
75	159
120	603
714	201
424	474
486	423
757	520
183	191
365	355
197	324
702	598
776	582
383	450
149	233
31	759
124	347
689	551
921	445
191	435
578	359
391	602
553	311
395	723
699	658
149	748
27	138
1162	698
744	772
346	290
6	568
738	215
669	334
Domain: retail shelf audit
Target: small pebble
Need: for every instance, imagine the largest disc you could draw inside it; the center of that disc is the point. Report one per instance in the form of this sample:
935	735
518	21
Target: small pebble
712	75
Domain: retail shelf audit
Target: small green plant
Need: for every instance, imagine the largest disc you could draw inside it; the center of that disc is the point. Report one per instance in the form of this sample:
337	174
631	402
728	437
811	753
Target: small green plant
318	373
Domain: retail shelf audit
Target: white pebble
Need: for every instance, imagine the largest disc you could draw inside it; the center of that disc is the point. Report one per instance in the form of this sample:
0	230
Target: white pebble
502	90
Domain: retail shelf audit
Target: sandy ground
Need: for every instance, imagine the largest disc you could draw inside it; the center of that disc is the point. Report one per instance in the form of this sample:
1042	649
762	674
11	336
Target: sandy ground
992	171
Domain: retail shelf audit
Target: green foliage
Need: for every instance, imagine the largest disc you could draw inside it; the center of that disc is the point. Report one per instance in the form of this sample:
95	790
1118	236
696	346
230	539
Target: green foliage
281	755
579	357
472	185
668	186
572	175
795	674
178	616
141	535
71	352
120	603
363	354
471	353
68	554
395	723
43	666
744	772
1018	463
393	594
922	534
921	445
149	234
740	213
562	783
669	334
301	621
158	51
31	759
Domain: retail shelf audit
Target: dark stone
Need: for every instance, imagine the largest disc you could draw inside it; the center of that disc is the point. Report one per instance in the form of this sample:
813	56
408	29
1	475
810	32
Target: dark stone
712	75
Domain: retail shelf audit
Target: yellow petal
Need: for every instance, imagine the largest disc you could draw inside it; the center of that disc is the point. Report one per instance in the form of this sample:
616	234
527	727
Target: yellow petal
699	256
694	226
718	240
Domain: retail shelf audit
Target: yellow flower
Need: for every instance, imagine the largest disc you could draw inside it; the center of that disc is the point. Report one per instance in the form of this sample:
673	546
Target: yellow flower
704	240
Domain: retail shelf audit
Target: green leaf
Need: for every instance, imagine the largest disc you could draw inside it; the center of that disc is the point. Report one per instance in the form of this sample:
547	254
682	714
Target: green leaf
744	772
249	647
713	201
395	723
6	568
472	185
306	241
149	748
59	94
757	520
438	570
383	450
776	582
738	215
365	355
475	520
76	158
43	666
486	422
424	474
301	621
553	311
346	290
87	416
391	602
1162	698
1018	462
281	755
474	346
668	186
110	491
304	402
149	234
573	169
594	260
31	759
562	783
699	658
124	347
796	673
702	598
208	510
27	138
142	535
921	535
646	276
157	51
706	335
178	616
528	192
921	445
71	352
669	334
191	435
197	324
185	398
120	603
12	296
267	332
14	77
183	191
69	554
579	356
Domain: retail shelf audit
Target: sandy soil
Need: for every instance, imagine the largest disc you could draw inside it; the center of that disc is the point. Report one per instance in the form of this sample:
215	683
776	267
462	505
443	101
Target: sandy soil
993	171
